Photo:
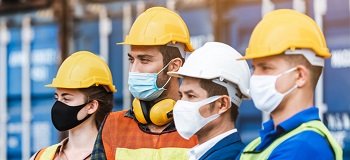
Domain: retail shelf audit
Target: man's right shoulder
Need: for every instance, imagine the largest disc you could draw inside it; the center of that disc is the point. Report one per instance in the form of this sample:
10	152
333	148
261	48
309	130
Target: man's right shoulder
113	116
118	113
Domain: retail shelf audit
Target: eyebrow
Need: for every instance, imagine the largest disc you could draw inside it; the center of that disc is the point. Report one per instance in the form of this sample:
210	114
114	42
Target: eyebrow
189	91
64	94
260	64
141	55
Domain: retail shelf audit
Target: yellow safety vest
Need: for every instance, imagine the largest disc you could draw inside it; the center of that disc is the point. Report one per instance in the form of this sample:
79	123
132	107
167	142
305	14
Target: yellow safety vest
47	153
249	152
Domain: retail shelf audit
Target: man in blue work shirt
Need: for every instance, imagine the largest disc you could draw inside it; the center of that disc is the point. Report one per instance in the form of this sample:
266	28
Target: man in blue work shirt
288	49
213	87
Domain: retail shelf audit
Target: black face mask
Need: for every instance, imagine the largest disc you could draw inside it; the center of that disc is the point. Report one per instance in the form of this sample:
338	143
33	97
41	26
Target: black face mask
64	117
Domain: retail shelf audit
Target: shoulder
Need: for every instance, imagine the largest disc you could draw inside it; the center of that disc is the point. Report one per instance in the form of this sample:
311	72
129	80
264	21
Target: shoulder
115	115
227	148
53	149
118	113
117	121
35	155
227	152
305	145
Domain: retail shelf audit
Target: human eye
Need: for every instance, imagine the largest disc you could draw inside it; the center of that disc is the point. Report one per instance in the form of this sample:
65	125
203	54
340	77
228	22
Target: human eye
131	60
191	96
66	99
264	68
144	60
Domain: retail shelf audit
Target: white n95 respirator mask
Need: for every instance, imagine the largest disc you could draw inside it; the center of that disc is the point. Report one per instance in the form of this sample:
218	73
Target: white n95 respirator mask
188	120
263	91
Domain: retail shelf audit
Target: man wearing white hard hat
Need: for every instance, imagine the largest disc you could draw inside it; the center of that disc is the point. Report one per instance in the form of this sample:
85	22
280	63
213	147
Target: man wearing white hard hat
213	87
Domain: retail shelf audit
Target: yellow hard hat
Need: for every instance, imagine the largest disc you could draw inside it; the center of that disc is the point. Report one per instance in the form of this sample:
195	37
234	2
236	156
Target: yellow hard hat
285	29
158	26
83	69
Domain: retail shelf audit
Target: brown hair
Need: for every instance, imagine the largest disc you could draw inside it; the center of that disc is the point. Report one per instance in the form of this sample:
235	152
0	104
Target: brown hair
315	71
214	89
169	53
105	101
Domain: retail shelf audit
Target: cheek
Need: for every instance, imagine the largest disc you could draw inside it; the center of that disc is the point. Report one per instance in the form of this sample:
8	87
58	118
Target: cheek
205	111
285	83
82	114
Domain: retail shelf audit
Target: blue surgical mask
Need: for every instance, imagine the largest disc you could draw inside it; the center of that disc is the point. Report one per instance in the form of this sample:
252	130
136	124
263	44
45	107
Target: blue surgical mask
144	85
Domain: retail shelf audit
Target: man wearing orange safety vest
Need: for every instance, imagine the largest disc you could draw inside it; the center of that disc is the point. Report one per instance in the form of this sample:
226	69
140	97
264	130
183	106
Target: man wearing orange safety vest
159	39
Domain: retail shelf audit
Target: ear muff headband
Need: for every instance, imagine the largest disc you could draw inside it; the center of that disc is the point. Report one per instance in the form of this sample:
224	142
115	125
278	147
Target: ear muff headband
146	110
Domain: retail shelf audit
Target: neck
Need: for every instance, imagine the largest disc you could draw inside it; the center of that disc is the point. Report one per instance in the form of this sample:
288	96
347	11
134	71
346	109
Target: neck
157	129
83	136
219	126
171	91
292	104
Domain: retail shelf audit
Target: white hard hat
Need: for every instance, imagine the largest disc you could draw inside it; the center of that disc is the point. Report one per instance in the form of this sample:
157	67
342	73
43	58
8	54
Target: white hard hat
218	62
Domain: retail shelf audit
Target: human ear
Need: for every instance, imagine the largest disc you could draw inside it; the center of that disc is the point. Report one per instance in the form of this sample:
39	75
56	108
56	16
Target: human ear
92	107
302	76
224	103
175	65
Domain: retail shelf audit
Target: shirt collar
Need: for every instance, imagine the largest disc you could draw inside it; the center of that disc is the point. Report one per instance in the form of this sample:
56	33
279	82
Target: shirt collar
269	133
62	145
199	150
299	118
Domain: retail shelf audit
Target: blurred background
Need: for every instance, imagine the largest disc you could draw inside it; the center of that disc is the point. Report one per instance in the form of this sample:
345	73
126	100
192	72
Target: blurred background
36	35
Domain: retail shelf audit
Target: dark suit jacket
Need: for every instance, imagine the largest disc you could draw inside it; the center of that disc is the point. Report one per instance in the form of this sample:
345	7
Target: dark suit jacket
227	148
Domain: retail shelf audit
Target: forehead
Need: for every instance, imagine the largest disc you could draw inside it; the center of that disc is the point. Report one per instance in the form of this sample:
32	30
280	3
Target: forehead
148	50
271	60
189	83
68	90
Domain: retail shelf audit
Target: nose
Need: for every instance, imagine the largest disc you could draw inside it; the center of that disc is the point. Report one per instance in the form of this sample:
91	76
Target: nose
134	67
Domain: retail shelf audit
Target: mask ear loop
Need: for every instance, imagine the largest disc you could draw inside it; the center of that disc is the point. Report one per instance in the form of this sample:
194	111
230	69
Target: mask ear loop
164	68
290	90
295	86
288	71
162	71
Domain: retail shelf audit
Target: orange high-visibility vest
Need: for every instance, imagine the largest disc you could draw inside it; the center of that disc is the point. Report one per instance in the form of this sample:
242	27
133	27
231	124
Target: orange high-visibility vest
123	134
47	153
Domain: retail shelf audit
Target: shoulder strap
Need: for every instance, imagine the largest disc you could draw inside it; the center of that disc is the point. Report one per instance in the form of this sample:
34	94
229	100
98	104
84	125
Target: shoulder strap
47	153
316	126
39	153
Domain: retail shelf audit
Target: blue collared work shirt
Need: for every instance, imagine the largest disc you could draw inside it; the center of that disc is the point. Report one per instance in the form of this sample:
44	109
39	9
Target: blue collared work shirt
305	145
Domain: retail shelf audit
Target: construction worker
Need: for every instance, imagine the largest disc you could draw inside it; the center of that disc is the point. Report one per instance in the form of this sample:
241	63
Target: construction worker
84	96
159	39
213	87
288	49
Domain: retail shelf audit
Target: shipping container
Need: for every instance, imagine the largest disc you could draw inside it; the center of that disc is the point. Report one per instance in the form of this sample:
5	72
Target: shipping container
231	22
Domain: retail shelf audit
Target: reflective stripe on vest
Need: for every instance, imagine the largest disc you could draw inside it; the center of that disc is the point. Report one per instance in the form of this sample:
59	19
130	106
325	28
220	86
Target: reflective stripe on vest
152	154
49	153
316	126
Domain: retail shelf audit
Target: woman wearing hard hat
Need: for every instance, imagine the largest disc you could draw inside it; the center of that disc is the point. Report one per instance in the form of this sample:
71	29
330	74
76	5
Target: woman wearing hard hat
84	96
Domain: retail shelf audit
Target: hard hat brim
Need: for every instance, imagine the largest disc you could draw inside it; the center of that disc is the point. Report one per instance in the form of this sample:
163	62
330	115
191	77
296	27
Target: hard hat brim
109	88
188	48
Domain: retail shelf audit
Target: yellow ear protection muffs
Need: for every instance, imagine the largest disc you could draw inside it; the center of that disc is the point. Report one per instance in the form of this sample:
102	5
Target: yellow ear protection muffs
159	114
